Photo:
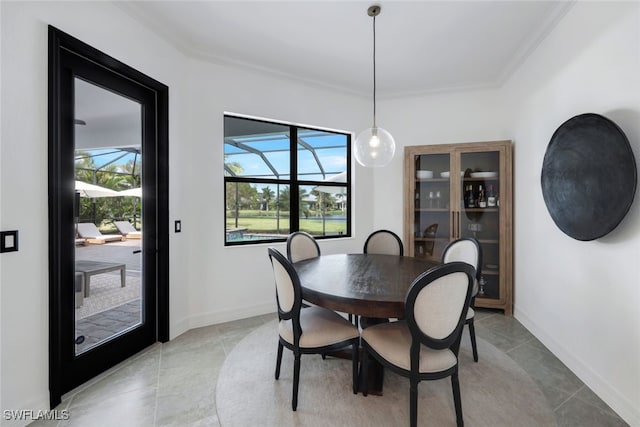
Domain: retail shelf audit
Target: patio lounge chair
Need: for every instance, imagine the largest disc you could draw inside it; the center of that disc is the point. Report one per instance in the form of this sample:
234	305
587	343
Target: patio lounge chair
128	230
90	232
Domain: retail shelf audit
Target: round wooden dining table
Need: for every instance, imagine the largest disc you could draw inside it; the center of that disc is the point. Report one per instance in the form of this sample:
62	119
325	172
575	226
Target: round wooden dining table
367	285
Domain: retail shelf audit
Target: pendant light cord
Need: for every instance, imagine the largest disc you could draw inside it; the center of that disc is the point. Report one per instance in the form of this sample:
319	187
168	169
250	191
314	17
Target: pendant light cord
374	71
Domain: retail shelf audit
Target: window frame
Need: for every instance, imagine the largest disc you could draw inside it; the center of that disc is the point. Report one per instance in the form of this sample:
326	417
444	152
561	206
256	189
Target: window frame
293	181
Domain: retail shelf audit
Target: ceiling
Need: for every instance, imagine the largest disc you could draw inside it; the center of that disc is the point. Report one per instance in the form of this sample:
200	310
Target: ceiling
421	46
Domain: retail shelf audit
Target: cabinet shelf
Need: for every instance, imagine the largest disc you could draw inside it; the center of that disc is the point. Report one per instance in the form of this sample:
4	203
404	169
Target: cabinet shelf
432	210
437	204
496	210
473	179
485	298
488	241
434	180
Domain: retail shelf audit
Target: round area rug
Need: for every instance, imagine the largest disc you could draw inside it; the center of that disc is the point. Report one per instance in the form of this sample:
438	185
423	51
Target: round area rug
495	391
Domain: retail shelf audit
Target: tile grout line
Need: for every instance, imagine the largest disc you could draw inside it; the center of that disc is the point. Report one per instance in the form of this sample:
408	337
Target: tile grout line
155	409
514	348
569	398
68	405
508	353
573	395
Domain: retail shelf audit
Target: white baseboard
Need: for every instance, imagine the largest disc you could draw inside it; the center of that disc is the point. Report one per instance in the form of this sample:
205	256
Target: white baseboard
178	328
627	410
219	316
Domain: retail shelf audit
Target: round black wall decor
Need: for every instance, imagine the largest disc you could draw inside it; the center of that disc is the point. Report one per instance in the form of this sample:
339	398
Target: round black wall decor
589	176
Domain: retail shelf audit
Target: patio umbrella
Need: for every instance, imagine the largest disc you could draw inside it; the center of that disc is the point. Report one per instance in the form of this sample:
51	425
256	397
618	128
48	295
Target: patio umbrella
333	189
134	192
94	191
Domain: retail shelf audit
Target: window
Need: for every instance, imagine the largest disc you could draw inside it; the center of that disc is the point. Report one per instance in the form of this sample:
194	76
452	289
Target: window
280	178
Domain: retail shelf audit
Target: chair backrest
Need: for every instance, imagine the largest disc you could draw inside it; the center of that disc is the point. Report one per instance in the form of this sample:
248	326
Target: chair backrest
383	242
436	305
88	230
301	245
288	290
466	249
124	227
431	232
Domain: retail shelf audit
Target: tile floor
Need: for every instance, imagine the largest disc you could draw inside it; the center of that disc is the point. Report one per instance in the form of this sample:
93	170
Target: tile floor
173	384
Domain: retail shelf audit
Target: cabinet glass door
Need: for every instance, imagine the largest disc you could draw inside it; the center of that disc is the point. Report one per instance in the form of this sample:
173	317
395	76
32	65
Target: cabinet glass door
432	205
480	213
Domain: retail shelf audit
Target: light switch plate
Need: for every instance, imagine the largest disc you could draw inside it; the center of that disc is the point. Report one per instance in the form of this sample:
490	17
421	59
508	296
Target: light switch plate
178	226
9	241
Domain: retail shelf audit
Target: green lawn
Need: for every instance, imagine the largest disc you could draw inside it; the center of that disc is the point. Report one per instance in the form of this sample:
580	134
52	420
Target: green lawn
263	224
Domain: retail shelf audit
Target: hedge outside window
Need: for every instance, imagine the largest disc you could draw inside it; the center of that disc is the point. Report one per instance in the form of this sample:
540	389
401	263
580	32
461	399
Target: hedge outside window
280	178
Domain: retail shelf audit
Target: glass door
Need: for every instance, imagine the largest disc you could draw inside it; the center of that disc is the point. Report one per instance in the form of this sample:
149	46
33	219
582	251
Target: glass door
108	242
480	216
432	205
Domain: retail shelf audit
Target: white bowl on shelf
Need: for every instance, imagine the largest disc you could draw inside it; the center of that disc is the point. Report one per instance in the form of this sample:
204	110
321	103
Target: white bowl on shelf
447	174
484	174
424	174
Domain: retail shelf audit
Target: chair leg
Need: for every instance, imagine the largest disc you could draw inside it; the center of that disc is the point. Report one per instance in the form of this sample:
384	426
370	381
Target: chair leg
455	385
413	402
364	370
278	360
472	333
354	319
354	361
296	380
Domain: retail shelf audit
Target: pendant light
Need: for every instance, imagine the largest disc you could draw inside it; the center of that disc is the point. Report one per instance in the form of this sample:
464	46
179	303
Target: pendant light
374	147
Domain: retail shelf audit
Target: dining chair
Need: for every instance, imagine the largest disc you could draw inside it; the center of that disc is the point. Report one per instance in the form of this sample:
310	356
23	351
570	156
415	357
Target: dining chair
301	246
383	242
309	330
467	249
425	345
431	233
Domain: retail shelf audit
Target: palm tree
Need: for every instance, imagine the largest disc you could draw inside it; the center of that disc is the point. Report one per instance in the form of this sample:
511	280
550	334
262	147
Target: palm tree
267	196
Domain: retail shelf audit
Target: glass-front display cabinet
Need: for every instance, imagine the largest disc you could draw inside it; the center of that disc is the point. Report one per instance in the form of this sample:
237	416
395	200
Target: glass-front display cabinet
463	190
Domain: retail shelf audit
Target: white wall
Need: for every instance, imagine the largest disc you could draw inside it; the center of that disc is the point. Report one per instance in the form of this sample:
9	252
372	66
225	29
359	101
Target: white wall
234	282
580	299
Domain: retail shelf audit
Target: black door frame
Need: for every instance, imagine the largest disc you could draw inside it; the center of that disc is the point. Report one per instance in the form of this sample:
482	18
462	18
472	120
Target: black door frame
61	349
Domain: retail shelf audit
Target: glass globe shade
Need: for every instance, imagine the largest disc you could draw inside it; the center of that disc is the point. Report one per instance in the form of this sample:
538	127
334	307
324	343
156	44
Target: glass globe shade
374	147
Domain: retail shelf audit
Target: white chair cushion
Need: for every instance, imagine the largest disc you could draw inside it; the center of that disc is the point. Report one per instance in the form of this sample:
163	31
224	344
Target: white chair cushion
393	342
320	327
470	313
